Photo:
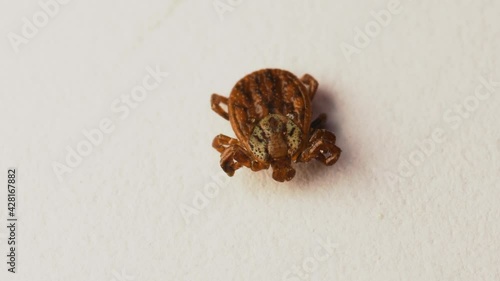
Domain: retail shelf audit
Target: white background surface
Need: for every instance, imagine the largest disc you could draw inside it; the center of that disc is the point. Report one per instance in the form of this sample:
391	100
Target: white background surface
117	215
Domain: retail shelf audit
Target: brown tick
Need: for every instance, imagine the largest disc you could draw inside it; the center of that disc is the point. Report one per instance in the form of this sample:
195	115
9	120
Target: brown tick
270	112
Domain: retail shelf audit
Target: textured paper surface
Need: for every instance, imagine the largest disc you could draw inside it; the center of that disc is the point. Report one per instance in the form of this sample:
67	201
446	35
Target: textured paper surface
149	201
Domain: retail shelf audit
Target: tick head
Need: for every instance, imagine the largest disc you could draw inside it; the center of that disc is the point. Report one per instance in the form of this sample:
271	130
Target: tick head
282	169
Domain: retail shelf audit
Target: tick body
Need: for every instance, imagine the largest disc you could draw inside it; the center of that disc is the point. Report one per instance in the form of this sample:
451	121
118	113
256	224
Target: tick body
270	113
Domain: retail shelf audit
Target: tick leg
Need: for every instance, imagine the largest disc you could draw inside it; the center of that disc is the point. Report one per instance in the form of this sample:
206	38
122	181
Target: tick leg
322	148
221	142
309	81
234	156
229	159
215	101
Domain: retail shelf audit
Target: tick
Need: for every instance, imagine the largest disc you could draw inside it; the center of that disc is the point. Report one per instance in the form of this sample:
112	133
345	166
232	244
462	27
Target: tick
270	113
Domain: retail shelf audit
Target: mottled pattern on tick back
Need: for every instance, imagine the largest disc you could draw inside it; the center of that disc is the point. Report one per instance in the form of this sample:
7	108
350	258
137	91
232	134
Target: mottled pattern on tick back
265	92
275	136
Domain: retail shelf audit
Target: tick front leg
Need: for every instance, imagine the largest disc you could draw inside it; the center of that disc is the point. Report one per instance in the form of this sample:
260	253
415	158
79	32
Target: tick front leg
234	156
309	81
215	101
221	142
232	159
322	148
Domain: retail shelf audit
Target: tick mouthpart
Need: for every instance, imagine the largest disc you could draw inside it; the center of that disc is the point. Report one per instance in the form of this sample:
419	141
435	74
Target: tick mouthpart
282	170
